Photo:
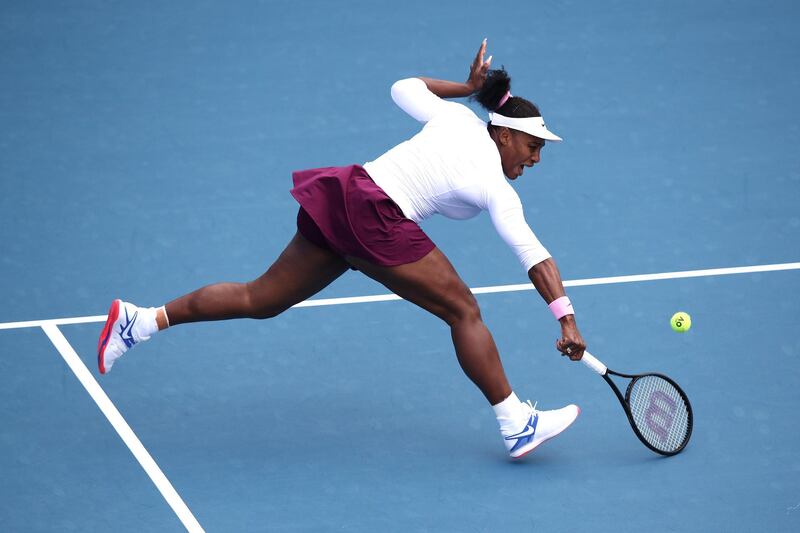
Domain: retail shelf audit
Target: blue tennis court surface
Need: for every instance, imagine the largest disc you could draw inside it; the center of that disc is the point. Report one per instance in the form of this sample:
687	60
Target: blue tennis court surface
146	150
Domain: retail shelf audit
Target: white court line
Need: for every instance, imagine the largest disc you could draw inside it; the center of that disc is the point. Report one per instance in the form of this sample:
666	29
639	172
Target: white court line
477	290
123	429
174	500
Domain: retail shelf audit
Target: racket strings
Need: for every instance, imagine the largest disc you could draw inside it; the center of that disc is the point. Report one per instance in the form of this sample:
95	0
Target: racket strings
659	412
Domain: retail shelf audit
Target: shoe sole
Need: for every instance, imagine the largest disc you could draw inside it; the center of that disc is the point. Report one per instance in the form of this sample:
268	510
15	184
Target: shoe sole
526	452
105	335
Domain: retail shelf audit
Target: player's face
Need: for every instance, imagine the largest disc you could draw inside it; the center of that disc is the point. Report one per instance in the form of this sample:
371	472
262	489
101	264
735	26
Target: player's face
521	150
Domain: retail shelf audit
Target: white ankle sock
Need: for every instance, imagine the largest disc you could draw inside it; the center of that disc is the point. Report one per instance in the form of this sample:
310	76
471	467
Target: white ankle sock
166	316
510	414
146	324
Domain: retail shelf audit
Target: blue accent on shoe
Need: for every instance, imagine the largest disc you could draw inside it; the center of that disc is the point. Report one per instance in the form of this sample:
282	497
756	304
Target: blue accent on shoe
526	435
127	329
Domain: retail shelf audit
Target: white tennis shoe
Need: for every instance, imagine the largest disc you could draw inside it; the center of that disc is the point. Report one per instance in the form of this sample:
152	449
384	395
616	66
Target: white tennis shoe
120	333
540	427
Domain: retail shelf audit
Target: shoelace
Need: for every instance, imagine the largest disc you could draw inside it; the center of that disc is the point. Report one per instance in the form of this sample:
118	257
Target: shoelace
532	406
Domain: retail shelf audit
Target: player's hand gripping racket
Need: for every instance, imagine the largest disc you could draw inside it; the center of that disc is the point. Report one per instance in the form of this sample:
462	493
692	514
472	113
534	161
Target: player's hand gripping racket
658	410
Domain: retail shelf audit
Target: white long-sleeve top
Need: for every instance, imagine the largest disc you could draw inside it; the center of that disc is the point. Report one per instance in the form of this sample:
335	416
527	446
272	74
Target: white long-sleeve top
452	167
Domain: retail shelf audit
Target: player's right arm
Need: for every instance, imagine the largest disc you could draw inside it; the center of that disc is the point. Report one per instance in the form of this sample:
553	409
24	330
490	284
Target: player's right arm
505	209
547	280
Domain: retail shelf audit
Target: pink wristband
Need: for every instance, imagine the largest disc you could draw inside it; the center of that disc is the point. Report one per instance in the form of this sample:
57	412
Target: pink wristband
561	307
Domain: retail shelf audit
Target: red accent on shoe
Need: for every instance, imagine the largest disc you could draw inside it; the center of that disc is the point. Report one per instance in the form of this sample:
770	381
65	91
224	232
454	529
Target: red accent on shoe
113	314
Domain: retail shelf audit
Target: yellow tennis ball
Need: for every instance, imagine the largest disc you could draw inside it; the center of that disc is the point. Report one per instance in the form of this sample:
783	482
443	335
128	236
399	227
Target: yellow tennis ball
680	322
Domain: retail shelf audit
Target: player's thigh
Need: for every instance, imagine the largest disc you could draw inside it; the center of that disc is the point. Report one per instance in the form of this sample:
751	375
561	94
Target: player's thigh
302	270
431	283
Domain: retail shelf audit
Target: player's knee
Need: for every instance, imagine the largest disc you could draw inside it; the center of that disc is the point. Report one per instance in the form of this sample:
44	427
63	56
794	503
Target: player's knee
464	309
470	310
260	306
268	310
263	313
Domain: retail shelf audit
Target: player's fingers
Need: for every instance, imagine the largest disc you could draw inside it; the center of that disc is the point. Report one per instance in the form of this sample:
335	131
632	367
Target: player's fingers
481	51
576	355
563	346
569	348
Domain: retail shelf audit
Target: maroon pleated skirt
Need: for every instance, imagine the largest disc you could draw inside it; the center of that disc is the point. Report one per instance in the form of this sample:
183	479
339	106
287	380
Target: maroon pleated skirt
342	209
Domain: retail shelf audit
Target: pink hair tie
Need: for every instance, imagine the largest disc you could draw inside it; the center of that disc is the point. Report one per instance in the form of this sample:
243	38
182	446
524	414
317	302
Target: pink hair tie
504	99
561	307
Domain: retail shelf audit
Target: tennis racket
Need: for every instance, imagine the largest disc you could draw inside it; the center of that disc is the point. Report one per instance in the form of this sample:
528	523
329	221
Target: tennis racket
658	410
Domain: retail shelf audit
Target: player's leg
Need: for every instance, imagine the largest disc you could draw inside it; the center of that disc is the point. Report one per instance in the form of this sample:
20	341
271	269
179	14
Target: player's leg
302	270
433	284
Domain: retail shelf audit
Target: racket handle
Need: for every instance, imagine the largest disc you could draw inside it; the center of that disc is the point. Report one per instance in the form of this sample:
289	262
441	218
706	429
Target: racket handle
594	363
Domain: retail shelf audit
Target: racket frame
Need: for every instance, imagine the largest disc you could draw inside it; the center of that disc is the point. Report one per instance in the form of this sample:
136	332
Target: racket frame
595	364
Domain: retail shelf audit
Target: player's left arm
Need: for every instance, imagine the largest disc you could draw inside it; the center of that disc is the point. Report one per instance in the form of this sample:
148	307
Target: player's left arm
454	89
424	98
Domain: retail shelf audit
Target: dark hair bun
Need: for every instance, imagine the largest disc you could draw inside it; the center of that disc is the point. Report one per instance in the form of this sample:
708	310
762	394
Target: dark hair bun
496	86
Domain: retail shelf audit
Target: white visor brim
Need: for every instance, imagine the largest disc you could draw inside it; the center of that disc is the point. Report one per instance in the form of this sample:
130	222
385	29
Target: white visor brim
532	125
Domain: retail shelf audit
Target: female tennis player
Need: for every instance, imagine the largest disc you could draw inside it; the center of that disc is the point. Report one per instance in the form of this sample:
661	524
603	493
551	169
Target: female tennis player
366	217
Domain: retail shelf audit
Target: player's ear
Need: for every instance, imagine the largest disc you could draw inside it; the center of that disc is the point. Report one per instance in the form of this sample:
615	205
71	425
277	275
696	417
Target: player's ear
505	136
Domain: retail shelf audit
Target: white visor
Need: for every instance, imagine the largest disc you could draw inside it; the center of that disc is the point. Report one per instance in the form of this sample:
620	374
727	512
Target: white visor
532	125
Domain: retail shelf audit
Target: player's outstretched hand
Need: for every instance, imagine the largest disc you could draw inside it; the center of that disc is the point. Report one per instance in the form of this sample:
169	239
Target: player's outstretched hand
478	69
571	342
